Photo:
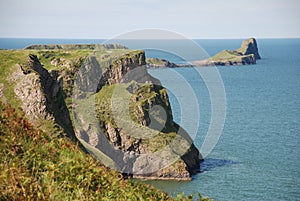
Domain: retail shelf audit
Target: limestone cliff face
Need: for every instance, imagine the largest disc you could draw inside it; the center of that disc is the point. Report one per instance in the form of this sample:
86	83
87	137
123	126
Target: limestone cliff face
41	95
150	108
42	98
118	71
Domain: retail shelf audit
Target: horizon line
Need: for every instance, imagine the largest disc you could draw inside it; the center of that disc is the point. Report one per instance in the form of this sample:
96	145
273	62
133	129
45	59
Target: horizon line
192	38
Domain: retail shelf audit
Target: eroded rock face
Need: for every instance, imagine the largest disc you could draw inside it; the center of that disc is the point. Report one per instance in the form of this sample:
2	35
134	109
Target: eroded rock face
88	75
248	47
148	101
118	71
30	91
41	94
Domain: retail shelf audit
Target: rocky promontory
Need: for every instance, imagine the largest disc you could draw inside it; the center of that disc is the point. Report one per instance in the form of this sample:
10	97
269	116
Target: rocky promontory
246	54
40	80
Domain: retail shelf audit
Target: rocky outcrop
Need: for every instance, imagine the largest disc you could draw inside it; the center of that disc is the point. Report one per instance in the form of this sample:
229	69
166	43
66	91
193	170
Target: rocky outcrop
151	109
167	153
246	54
41	95
87	77
249	47
118	71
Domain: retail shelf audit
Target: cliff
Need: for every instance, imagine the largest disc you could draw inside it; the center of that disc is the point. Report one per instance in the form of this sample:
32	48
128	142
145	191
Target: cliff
150	114
248	47
246	54
41	95
45	97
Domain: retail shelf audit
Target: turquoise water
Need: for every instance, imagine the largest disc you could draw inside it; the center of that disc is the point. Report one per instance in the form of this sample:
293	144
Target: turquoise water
258	154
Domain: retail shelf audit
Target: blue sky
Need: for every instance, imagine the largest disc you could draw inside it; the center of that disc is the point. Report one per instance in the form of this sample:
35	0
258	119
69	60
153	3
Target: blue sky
191	18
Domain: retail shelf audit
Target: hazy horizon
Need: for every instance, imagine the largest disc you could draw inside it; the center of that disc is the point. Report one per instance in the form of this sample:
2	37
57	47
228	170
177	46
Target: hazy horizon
148	39
195	19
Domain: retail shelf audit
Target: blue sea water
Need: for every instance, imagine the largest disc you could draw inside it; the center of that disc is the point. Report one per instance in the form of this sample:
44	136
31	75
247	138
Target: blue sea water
258	154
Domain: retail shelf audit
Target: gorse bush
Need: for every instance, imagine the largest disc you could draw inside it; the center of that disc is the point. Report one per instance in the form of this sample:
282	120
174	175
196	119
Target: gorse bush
37	166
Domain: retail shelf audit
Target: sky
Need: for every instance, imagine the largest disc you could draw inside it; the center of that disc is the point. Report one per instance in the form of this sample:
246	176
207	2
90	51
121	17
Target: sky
99	19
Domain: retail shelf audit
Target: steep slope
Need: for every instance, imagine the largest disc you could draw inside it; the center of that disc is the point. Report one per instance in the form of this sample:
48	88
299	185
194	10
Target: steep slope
46	98
169	154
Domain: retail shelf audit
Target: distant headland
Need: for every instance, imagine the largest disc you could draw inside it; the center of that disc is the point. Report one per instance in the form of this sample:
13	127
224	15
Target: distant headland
245	55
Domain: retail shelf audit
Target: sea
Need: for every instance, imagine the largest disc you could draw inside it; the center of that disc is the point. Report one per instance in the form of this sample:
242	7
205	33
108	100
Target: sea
257	152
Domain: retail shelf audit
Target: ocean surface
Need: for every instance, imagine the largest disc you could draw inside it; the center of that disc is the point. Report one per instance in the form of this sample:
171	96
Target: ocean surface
257	156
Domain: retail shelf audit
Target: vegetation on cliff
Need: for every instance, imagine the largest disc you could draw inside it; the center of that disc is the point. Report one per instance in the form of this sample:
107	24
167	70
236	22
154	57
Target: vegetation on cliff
40	160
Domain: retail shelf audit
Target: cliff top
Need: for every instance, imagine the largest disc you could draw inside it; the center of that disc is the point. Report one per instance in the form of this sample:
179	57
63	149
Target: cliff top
76	47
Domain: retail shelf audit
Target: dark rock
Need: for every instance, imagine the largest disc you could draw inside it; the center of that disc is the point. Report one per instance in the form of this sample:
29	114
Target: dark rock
248	47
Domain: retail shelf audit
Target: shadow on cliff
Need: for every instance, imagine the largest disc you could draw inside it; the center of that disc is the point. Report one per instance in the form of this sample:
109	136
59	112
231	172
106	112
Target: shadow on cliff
211	163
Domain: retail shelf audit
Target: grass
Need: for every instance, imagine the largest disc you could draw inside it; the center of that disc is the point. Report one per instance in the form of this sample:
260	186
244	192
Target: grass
9	59
226	55
229	56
